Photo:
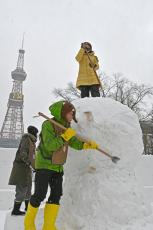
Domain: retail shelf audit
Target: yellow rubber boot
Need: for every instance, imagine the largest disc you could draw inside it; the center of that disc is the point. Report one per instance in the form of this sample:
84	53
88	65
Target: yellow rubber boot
29	221
50	215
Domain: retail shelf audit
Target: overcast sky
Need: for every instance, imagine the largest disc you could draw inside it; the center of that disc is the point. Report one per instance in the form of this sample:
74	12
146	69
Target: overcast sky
121	32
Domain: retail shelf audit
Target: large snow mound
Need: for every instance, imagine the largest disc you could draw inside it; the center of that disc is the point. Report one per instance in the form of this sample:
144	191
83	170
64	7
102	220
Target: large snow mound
98	194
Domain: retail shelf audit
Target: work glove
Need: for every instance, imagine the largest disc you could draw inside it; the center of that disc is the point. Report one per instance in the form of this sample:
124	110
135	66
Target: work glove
90	145
83	45
68	134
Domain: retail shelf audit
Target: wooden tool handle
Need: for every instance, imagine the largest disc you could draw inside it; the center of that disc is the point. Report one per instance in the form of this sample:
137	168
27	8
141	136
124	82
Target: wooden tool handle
78	136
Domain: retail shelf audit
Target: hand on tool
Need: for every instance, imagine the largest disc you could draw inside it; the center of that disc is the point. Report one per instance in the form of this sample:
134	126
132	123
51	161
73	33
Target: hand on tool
68	134
90	145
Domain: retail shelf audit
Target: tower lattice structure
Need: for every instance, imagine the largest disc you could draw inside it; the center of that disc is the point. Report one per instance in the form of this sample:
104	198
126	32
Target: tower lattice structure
13	127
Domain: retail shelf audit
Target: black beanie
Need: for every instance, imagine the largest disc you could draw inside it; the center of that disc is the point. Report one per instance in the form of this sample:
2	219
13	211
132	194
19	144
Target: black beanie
32	130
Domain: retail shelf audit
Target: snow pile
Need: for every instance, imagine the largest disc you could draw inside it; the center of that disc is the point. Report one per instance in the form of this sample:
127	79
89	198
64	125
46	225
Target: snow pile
144	173
98	194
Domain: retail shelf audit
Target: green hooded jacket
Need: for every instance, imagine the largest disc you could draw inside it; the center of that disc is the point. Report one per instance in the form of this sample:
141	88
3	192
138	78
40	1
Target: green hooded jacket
51	142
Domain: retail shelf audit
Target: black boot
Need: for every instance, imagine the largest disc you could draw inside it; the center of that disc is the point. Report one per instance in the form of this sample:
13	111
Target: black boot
26	204
16	210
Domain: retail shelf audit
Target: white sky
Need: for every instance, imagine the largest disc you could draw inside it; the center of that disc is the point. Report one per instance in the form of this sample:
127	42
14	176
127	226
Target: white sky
121	32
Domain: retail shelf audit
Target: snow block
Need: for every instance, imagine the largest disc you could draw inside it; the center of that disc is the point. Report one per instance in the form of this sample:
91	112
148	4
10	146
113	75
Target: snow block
98	194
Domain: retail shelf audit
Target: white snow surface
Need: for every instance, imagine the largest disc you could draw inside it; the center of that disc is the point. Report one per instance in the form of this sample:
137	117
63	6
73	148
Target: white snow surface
98	194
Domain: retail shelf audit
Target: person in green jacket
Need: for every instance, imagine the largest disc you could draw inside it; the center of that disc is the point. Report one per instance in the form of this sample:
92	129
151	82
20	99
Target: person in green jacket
50	157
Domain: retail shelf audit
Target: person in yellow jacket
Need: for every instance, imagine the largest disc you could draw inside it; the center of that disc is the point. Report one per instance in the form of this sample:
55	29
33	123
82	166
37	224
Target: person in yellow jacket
87	81
51	155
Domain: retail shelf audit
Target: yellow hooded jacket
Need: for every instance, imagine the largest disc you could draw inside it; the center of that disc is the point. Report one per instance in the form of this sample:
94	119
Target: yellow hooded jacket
86	75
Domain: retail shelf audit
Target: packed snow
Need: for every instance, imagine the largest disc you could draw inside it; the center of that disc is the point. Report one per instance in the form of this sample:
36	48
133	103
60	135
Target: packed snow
98	194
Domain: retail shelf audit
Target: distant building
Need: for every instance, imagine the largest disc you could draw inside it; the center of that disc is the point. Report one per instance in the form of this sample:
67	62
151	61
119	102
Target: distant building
147	130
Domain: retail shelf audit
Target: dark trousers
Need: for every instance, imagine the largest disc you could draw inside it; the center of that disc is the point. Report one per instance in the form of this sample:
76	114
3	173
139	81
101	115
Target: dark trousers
43	179
23	192
87	89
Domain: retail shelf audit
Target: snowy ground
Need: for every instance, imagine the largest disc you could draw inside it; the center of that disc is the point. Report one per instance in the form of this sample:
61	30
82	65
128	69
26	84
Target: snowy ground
88	171
6	192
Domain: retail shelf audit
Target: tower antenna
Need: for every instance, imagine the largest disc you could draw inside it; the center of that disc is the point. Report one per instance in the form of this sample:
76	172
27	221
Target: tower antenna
23	40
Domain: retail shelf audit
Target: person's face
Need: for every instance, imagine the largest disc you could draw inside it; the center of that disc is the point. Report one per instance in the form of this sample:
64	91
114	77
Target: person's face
87	46
69	116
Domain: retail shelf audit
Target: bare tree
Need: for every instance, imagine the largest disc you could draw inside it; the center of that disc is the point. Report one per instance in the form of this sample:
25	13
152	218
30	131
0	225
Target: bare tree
128	93
120	89
70	93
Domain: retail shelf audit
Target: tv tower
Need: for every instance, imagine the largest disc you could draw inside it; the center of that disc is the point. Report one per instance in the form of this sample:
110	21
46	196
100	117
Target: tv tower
13	127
